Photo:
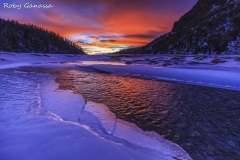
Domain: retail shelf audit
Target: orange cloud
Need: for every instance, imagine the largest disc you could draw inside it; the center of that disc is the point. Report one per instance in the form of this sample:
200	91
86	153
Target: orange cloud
105	25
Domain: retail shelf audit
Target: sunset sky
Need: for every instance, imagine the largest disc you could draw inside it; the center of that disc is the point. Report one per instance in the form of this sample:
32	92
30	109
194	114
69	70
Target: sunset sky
101	26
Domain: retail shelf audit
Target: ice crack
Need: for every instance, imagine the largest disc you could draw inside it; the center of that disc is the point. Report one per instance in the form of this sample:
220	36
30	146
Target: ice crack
114	126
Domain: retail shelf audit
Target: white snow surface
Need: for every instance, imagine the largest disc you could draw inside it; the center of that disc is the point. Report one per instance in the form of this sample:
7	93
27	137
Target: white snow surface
14	60
38	121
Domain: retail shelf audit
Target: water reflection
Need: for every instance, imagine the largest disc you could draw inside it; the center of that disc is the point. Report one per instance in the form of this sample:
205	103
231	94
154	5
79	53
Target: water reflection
84	63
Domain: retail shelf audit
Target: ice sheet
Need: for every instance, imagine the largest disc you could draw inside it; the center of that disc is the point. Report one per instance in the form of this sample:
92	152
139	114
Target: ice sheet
206	77
98	115
34	137
149	141
63	103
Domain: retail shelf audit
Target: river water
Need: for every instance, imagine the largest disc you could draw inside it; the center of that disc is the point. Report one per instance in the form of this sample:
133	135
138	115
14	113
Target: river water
202	120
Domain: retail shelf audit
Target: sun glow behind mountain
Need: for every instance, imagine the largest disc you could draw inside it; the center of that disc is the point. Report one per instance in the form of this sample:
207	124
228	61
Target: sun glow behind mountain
103	26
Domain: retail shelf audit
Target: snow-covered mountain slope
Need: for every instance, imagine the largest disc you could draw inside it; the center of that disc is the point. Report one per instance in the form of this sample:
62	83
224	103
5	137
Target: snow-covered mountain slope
209	27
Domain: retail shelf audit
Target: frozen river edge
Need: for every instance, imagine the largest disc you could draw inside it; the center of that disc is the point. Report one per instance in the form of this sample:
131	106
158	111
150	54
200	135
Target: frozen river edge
62	115
54	124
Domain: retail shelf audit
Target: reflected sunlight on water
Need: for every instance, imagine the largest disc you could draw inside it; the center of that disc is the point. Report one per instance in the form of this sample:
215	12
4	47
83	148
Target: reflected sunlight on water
86	63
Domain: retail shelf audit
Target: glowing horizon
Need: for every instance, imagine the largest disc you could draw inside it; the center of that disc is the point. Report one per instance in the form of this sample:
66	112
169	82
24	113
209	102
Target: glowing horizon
101	26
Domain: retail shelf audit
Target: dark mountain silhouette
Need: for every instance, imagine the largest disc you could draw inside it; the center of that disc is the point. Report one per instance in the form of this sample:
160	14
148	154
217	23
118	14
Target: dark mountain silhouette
16	37
211	26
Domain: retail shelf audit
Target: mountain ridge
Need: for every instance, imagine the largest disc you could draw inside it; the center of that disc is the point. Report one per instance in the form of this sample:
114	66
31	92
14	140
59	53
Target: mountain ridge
210	27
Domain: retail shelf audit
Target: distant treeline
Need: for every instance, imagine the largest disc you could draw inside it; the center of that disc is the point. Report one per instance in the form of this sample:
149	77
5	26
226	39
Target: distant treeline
16	37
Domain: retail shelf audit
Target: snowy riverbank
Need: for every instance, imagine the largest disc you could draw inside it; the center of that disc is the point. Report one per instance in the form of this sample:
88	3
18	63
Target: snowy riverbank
38	121
41	122
220	71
